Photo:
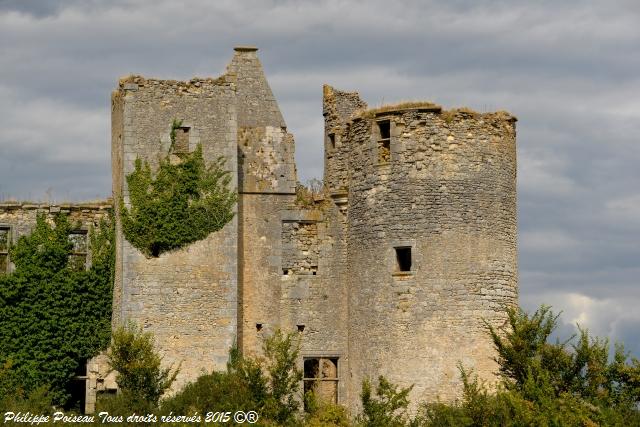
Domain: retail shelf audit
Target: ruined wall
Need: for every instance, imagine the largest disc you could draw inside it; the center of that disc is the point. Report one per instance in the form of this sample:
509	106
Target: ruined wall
187	297
391	272
314	289
19	219
443	185
337	108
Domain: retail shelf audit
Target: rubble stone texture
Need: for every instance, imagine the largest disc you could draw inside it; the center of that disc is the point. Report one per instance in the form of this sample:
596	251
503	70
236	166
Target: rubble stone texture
440	186
392	271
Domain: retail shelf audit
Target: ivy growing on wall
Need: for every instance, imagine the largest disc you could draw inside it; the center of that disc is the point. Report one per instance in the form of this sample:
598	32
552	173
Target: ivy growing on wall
182	203
53	317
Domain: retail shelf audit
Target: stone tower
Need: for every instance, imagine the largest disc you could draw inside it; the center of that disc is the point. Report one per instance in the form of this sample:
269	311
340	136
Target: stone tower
431	237
392	271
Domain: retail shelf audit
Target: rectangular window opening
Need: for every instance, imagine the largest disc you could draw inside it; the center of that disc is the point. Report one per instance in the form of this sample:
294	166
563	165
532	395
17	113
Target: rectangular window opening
320	376
79	250
403	259
384	142
384	127
332	140
181	144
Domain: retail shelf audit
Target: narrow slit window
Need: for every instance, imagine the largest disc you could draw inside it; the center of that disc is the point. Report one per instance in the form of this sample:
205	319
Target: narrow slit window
332	141
384	142
385	129
403	259
5	233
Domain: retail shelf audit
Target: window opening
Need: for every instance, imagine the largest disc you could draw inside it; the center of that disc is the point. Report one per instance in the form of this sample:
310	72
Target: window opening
384	141
181	144
78	257
321	378
403	259
385	129
332	140
300	328
5	233
258	327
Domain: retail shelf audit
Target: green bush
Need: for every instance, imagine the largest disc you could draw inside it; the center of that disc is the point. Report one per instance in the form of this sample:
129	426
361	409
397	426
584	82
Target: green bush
53	317
269	385
140	378
184	202
388	408
324	414
570	383
281	352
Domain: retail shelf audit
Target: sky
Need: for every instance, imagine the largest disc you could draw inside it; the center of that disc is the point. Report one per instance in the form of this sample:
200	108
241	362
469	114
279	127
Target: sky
568	70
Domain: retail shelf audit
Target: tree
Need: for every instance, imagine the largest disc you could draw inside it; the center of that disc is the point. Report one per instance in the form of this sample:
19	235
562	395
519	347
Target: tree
281	352
562	383
140	378
268	385
388	408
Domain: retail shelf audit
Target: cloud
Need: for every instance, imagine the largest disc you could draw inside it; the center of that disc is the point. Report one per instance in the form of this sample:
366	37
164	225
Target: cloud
613	317
568	70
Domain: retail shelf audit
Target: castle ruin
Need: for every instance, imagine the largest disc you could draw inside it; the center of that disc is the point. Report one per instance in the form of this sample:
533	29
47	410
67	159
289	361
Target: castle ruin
392	270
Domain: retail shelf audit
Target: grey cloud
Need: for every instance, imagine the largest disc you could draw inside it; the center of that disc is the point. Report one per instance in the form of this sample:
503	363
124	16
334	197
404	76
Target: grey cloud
568	70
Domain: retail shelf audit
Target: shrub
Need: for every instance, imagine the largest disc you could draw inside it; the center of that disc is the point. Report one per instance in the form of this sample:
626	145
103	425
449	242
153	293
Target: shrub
140	378
388	408
281	352
324	414
268	385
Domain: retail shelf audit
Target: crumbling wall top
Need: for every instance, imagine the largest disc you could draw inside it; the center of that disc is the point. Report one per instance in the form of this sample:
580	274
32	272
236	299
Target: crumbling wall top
134	82
11	205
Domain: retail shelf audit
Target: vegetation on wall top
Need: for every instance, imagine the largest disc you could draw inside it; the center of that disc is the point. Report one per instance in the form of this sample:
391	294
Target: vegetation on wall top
184	202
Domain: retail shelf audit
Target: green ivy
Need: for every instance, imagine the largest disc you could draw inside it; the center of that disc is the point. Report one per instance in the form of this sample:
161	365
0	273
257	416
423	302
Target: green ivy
184	202
52	316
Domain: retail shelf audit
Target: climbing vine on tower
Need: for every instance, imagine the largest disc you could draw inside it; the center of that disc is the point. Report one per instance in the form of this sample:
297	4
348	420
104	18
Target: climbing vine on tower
182	203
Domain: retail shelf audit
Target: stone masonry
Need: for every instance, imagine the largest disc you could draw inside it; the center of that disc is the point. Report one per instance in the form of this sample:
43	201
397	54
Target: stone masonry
391	270
19	219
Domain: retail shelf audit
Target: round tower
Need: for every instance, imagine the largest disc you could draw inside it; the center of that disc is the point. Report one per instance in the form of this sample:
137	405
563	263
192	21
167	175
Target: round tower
431	244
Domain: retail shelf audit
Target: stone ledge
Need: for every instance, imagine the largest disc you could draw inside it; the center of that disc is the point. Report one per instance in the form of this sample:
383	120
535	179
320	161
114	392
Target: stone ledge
245	48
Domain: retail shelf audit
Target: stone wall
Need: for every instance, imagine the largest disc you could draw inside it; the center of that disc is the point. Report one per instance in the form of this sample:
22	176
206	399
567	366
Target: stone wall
391	271
446	192
186	297
315	301
337	108
19	219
